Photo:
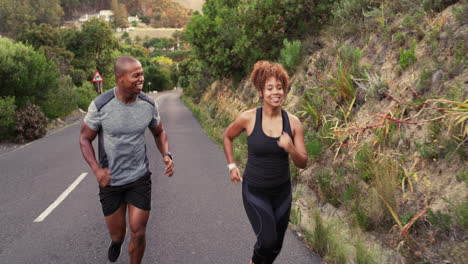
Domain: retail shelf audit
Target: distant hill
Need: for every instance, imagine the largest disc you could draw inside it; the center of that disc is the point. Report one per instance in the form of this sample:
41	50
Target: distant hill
165	13
192	4
157	13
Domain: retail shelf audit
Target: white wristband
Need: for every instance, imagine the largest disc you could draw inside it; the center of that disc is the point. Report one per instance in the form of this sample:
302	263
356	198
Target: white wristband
231	166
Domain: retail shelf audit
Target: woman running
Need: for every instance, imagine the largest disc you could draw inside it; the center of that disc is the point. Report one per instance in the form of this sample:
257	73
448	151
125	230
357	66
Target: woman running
272	135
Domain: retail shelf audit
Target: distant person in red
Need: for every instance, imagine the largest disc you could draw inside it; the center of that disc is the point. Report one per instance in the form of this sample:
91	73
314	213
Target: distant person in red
119	117
273	135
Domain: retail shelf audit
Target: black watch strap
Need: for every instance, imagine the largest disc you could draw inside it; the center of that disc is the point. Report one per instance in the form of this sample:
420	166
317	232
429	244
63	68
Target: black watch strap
168	154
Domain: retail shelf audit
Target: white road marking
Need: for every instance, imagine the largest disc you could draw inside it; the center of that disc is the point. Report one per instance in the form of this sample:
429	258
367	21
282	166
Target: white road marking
60	199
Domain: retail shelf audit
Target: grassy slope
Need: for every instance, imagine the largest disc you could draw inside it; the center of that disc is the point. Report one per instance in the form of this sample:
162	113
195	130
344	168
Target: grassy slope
412	166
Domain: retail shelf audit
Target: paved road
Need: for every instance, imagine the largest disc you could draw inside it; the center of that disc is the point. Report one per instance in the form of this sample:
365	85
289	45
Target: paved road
197	215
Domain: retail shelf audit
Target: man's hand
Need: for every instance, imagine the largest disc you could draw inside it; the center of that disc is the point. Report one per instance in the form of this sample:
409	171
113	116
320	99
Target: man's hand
285	142
169	166
103	176
235	176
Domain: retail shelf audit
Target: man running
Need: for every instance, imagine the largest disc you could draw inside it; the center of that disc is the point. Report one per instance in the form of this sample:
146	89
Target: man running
120	117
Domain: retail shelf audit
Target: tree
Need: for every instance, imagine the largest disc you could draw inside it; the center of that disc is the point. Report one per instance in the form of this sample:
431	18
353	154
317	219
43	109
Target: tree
213	36
47	11
120	14
25	73
94	47
17	15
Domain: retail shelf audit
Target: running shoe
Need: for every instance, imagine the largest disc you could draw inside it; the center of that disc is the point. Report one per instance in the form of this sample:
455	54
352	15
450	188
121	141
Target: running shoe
114	251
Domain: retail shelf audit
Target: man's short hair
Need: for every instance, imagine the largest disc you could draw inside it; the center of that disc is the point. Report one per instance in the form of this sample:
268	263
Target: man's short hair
120	63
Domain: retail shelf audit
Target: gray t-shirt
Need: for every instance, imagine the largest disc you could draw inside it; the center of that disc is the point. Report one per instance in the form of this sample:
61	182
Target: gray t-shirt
121	130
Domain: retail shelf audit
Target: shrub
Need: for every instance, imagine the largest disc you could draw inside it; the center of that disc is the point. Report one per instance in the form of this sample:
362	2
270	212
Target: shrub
78	76
61	100
460	212
341	85
31	123
7	116
439	220
385	182
327	189
314	147
84	95
361	217
460	12
290	54
363	256
437	5
407	57
320	236
160	78
325	242
365	162
350	14
25	73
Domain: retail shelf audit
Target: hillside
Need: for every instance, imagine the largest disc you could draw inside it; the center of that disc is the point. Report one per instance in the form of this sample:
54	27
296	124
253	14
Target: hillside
382	94
157	13
192	4
165	13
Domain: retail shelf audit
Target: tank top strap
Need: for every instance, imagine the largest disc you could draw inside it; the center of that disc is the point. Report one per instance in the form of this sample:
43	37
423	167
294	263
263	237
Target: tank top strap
258	120
286	124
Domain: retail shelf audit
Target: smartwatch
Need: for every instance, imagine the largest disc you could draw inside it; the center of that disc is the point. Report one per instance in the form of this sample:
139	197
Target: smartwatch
169	154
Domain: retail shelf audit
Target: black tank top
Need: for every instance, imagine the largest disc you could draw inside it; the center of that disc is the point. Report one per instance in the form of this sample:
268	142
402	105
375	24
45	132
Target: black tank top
267	163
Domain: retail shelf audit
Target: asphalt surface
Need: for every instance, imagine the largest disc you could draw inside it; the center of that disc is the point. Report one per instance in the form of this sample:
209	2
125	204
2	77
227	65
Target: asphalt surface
197	215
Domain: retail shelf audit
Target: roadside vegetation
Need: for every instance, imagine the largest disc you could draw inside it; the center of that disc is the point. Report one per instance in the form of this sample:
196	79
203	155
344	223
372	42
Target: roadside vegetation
45	70
380	87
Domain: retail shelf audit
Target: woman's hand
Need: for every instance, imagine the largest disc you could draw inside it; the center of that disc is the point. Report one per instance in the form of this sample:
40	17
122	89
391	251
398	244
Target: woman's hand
235	175
285	142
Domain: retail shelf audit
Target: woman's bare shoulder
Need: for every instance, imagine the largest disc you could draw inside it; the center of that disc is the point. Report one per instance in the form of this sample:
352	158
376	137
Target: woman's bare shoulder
248	114
294	120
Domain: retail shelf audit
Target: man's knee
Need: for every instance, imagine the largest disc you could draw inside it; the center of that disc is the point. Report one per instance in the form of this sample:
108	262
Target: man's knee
138	235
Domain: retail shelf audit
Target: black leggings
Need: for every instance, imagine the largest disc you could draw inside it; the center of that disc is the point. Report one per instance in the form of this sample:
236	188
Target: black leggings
268	211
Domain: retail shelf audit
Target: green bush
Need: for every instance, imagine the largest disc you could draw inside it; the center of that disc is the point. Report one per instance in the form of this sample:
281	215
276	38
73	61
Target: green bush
314	148
360	216
78	76
61	100
31	123
349	14
25	73
439	220
231	36
437	5
290	54
85	94
460	212
363	256
160	78
365	162
460	12
193	77
327	189
7	116
407	57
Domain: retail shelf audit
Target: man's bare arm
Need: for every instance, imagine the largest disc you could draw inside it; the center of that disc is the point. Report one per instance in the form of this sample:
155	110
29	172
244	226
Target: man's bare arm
162	142
87	135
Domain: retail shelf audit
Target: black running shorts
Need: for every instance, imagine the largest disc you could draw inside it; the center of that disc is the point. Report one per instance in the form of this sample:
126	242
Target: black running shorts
137	193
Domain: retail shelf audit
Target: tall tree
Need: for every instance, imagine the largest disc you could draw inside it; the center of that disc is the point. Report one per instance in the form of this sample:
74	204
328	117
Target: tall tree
120	14
94	47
